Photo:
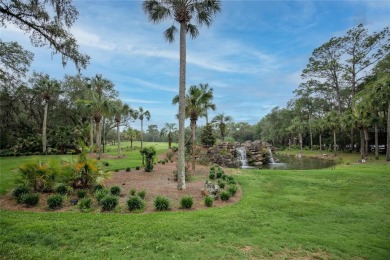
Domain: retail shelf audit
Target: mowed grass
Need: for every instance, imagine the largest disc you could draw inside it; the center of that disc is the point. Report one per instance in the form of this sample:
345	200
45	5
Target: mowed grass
132	159
325	214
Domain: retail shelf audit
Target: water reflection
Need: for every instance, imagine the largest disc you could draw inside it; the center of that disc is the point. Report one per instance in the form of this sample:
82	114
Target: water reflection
286	162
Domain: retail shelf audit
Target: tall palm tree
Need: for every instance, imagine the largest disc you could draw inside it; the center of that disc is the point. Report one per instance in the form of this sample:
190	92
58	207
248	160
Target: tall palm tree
221	120
99	102
168	130
120	110
196	101
47	87
208	104
141	116
188	13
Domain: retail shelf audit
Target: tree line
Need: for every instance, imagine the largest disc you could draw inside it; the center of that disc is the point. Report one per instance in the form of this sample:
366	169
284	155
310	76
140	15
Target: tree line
343	102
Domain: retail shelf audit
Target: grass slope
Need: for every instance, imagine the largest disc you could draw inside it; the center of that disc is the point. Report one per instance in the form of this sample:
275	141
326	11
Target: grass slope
341	213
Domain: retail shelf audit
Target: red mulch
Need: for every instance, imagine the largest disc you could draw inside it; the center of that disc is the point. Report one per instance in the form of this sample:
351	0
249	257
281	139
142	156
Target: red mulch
158	182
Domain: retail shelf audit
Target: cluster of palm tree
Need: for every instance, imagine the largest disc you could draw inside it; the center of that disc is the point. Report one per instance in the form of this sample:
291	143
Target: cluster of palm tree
344	95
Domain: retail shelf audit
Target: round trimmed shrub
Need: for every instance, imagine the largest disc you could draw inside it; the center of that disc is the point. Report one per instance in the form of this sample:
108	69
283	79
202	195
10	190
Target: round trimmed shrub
225	195
128	169
82	194
221	184
208	201
232	189
85	204
63	189
212	175
137	168
55	201
186	202
161	203
30	200
135	203
142	194
115	190
100	194
109	202
18	192
98	187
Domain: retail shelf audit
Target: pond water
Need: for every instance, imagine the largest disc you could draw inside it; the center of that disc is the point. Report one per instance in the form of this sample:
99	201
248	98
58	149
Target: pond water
285	162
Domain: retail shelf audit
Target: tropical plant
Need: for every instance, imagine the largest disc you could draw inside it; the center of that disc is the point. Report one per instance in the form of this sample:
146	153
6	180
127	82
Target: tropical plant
148	153
185	13
196	100
168	130
221	120
132	135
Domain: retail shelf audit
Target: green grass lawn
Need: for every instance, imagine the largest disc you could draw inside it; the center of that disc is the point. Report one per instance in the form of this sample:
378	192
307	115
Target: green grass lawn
340	213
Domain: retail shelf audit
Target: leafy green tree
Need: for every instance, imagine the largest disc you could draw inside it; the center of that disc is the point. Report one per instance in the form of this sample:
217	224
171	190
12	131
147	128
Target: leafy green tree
187	14
46	26
221	120
153	130
168	130
14	64
196	101
207	137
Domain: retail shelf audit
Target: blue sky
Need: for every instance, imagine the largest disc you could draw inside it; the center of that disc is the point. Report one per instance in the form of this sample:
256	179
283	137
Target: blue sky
252	55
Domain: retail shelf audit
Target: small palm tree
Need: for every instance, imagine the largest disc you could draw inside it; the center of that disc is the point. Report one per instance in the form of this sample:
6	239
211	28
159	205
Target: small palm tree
132	135
208	104
221	120
168	130
187	13
196	101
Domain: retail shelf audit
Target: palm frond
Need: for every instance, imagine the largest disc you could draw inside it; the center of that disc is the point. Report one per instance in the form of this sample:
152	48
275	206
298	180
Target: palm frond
192	30
169	34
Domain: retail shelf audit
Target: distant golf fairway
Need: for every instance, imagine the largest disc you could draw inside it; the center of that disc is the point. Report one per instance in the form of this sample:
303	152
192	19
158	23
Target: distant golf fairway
340	213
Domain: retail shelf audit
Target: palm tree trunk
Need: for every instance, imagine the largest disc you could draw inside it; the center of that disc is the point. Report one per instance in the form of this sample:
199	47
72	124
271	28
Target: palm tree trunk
119	140
181	184
365	131
142	135
334	141
311	134
376	141
320	142
388	134
193	127
98	138
44	138
91	135
361	144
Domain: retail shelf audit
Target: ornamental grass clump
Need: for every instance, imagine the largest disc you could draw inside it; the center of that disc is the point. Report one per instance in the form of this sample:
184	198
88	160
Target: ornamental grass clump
18	192
55	201
208	201
162	203
115	190
142	194
232	189
85	204
109	202
225	195
30	200
133	192
135	203
63	189
82	194
221	184
186	202
100	194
